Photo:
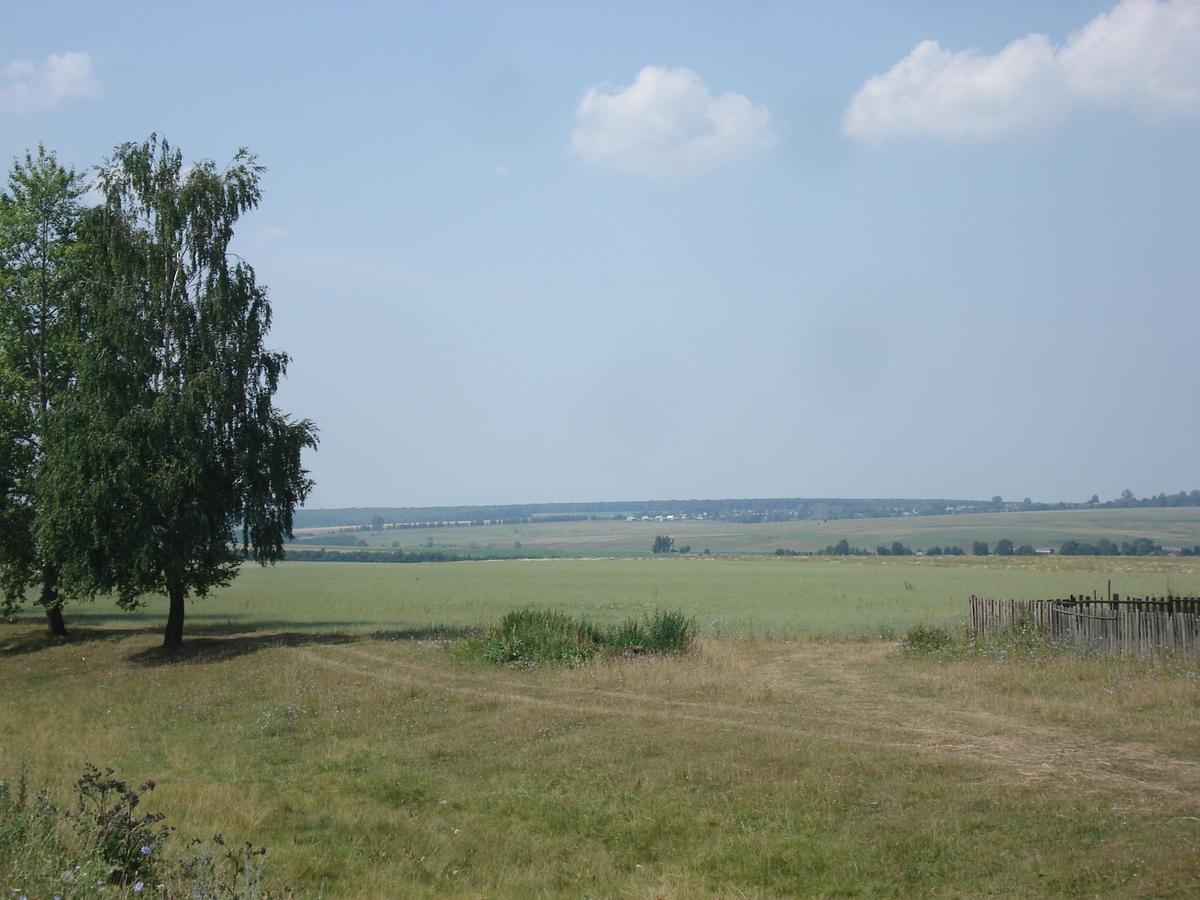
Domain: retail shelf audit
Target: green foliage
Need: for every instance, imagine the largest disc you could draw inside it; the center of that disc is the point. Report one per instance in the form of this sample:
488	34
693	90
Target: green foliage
27	824
124	843
1104	547
979	548
1004	547
40	265
667	631
168	465
1023	641
526	638
925	639
662	544
102	847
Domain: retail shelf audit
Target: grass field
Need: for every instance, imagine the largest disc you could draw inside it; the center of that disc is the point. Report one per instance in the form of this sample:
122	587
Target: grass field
1179	527
797	752
388	767
774	595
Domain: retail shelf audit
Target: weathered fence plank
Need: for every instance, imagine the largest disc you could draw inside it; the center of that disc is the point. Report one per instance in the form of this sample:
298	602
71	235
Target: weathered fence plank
1137	626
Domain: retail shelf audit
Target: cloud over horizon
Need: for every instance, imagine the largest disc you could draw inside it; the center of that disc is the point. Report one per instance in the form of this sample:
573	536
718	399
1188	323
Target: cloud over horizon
667	123
1144	56
29	86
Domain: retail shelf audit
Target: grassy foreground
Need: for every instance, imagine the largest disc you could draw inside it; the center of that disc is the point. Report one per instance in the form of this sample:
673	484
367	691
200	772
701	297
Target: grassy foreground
393	766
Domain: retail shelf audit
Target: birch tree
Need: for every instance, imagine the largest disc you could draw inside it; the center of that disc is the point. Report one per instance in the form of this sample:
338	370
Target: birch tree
169	465
41	257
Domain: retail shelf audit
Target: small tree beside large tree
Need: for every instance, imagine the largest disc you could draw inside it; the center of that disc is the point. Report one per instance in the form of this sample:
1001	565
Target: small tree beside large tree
41	260
168	465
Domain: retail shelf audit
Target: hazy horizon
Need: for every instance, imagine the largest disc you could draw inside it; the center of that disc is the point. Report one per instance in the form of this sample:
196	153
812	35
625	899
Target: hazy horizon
586	252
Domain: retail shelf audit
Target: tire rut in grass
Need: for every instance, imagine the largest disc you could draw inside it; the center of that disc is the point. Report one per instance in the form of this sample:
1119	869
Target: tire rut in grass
1030	751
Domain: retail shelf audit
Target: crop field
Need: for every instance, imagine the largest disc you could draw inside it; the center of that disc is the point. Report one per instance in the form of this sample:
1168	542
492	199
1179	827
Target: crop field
1179	527
773	595
334	713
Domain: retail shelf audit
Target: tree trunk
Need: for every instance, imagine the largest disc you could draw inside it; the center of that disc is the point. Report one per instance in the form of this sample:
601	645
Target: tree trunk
52	603
173	638
54	618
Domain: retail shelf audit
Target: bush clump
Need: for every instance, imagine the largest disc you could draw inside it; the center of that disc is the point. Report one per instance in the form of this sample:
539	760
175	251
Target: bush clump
925	639
529	637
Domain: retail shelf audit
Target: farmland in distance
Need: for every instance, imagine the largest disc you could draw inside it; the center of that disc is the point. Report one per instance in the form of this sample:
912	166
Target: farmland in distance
1171	526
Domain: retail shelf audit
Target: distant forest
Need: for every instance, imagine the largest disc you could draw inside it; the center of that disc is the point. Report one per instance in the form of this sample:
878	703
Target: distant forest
745	510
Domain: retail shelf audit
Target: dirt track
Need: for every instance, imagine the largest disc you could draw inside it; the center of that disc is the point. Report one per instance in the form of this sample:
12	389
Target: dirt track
841	691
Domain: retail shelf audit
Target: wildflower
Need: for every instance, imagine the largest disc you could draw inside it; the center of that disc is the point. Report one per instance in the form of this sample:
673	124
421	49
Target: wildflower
145	850
137	888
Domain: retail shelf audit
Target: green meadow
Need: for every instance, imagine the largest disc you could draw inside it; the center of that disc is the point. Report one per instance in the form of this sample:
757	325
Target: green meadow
766	595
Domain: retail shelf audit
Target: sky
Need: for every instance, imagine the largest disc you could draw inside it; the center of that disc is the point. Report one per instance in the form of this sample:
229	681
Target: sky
566	252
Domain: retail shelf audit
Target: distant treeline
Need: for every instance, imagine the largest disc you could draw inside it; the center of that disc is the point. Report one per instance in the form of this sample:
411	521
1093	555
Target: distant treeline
1104	547
1128	501
747	511
1004	547
394	556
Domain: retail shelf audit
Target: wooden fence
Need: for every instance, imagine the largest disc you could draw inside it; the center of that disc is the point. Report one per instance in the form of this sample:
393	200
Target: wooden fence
1137	625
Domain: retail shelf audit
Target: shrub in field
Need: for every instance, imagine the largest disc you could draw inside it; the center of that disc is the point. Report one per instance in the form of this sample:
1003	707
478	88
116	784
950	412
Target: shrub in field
102	847
925	639
629	634
669	631
529	637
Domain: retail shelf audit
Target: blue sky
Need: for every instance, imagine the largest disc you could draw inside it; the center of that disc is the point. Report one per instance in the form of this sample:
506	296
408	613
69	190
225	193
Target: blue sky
570	252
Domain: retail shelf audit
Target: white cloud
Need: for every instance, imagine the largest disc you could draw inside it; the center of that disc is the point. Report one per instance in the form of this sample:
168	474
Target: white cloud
27	86
668	124
1144	56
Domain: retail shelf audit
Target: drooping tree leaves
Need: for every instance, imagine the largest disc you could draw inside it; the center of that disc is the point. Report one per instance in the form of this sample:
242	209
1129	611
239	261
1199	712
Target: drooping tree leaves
169	464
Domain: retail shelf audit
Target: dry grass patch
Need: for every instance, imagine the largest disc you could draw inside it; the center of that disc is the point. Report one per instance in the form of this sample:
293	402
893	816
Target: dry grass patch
750	767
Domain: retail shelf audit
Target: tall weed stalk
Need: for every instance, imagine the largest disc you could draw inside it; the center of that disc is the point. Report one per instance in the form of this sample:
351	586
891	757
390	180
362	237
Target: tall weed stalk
102	846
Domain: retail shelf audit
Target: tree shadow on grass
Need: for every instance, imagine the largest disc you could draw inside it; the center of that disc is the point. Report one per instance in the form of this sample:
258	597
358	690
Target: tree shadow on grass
212	648
35	641
210	643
